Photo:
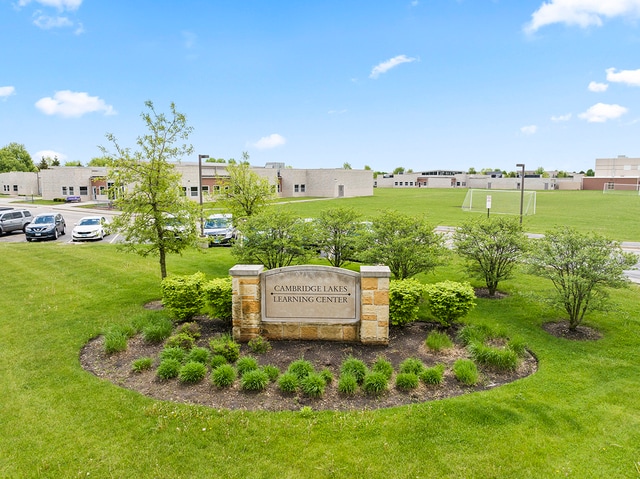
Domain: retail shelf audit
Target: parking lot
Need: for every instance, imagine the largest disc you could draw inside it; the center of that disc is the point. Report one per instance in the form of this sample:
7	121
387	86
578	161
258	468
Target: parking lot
71	213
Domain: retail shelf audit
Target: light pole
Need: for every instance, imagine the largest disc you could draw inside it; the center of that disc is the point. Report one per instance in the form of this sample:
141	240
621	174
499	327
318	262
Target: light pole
521	165
200	157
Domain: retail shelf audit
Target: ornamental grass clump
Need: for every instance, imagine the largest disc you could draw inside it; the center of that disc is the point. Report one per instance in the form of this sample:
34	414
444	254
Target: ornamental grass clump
176	353
407	381
382	365
356	367
218	360
496	358
192	372
245	364
313	385
476	333
375	384
254	380
327	375
158	329
518	346
438	341
115	341
223	376
226	346
288	382
168	369
199	355
434	375
347	384
272	371
411	365
466	371
301	368
141	364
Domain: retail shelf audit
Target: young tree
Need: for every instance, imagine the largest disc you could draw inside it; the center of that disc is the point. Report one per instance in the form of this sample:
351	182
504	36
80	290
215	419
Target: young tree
147	188
274	239
248	192
337	234
407	245
580	266
492	248
98	161
15	157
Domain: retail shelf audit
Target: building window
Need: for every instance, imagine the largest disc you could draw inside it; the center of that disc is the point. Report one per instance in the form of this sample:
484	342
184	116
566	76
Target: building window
71	190
15	187
302	188
411	183
64	191
216	189
205	189
102	190
84	191
6	188
194	191
296	188
395	183
406	183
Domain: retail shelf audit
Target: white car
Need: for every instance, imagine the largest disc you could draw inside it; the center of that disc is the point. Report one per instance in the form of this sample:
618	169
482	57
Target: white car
90	228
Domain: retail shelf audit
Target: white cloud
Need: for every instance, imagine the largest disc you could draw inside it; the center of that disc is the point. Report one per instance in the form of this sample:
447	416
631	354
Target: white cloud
59	4
73	104
271	141
630	77
558	118
7	91
601	112
389	64
337	112
583	13
49	154
597	87
46	22
529	129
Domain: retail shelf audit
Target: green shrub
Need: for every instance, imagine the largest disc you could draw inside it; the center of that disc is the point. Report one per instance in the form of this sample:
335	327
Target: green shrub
192	372
158	329
466	372
301	368
437	341
327	375
382	365
355	367
272	371
226	346
245	364
223	376
115	341
347	384
191	329
405	296
407	381
218	360
375	384
411	365
183	296
259	345
141	364
218	297
518	346
449	301
254	380
288	382
497	358
313	385
199	355
433	375
176	353
180	340
168	368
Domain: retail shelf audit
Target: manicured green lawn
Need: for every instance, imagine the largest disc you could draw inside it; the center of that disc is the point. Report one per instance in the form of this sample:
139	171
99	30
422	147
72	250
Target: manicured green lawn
578	416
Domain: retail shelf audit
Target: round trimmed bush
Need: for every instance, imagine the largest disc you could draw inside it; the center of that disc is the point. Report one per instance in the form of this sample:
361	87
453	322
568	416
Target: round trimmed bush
288	382
168	369
226	346
259	345
192	329
254	380
180	340
223	376
192	372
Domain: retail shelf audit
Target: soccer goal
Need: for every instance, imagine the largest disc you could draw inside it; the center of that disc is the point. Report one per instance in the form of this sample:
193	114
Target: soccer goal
611	188
500	202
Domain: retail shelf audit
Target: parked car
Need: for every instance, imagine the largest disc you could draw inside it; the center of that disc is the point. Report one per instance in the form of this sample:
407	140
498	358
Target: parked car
14	220
219	230
90	228
45	225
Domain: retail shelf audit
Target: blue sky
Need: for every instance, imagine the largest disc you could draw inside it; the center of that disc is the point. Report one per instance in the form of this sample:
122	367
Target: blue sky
423	84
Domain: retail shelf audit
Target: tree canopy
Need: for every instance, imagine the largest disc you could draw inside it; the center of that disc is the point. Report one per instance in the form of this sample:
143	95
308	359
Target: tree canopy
15	157
248	193
337	233
157	218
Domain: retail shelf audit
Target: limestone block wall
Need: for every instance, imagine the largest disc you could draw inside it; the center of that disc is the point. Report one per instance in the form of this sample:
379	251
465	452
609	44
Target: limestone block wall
374	310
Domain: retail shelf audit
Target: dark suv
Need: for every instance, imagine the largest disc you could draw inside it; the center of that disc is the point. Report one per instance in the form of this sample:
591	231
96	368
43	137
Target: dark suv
45	225
14	220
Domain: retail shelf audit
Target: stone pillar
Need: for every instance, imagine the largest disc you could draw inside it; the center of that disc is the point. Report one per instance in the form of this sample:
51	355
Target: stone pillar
247	313
374	304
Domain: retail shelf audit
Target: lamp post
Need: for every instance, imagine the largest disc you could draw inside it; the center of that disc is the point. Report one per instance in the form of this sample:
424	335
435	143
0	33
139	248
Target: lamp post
200	157
521	165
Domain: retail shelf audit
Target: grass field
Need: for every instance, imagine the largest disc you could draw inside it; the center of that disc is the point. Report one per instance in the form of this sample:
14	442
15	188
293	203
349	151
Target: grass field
578	416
